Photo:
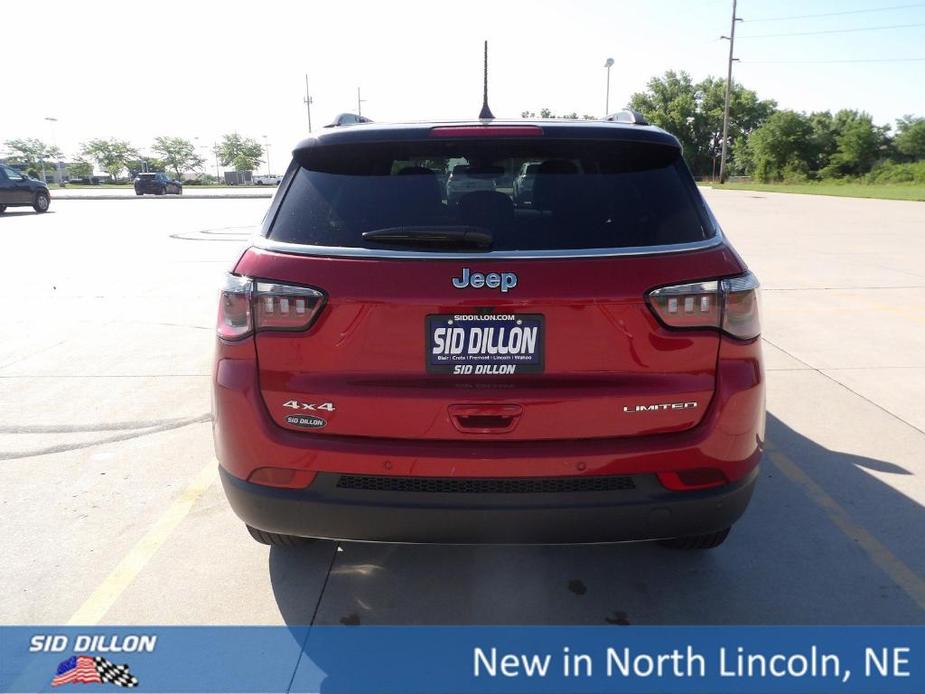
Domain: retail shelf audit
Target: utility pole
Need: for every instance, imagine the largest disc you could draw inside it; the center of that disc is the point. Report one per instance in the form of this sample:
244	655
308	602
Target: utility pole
308	103
731	38
59	177
216	150
608	64
360	103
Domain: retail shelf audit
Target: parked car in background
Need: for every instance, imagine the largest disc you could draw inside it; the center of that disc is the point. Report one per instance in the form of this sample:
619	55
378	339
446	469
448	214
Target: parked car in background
267	180
19	190
523	183
347	119
463	181
157	184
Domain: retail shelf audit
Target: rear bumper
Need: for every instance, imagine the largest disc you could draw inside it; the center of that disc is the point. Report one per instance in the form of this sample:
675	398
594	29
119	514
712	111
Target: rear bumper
645	512
730	438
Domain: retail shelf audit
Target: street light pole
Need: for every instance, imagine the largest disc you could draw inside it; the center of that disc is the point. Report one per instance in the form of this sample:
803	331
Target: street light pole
608	65
266	147
54	142
215	150
731	38
199	147
308	104
359	103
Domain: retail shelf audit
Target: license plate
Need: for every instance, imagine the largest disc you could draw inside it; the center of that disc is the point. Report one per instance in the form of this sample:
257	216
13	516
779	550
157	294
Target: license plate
493	344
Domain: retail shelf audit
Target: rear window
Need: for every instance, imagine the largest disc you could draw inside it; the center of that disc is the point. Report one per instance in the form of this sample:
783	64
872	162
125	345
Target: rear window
586	194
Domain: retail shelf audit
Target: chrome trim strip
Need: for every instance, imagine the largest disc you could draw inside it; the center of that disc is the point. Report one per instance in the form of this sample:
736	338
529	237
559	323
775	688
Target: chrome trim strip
347	252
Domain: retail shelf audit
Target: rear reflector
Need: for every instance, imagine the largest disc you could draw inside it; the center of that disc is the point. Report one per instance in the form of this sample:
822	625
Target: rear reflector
688	480
730	305
248	306
282	477
486	131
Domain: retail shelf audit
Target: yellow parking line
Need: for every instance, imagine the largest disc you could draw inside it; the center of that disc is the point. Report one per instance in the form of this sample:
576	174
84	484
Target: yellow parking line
106	594
913	312
902	575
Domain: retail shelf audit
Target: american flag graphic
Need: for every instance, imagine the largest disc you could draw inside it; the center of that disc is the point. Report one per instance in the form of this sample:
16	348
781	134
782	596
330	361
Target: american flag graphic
85	669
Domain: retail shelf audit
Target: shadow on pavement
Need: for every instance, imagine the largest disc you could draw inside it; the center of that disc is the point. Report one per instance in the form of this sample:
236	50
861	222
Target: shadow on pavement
785	562
23	212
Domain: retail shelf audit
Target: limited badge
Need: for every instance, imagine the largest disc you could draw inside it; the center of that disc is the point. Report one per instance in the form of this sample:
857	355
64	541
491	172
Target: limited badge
308	422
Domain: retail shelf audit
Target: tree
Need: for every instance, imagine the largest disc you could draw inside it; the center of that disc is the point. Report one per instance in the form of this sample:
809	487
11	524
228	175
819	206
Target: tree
781	147
111	155
178	154
140	163
30	153
859	143
80	169
547	113
693	112
241	152
824	139
910	137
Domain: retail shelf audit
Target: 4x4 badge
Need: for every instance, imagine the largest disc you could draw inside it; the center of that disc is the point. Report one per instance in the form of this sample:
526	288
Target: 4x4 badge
311	406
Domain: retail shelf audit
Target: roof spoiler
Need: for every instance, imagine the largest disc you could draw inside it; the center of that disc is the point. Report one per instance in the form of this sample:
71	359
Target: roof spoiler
627	116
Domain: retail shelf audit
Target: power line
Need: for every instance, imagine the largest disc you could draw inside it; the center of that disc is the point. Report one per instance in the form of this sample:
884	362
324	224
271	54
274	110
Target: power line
820	62
832	31
837	14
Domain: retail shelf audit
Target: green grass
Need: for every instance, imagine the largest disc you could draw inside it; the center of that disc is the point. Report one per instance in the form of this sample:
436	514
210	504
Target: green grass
885	191
55	186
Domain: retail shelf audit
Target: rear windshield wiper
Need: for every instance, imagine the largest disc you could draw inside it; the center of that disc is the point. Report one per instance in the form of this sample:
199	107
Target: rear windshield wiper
441	236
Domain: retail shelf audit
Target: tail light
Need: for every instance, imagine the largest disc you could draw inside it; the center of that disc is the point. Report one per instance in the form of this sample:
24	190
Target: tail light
730	305
486	131
234	308
247	306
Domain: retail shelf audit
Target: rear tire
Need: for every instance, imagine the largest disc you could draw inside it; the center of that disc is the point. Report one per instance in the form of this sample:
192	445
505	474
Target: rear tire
2	209
138	192
708	541
40	202
275	539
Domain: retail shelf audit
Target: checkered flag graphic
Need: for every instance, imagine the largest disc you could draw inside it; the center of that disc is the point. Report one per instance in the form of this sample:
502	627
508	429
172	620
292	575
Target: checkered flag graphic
111	673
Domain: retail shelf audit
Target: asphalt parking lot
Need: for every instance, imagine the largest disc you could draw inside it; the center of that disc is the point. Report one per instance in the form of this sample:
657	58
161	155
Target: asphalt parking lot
111	511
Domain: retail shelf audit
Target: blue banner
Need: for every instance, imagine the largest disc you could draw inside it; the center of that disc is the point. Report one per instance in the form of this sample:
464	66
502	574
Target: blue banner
462	659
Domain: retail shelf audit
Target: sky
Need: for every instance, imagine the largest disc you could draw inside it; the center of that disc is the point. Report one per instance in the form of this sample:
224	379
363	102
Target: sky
199	69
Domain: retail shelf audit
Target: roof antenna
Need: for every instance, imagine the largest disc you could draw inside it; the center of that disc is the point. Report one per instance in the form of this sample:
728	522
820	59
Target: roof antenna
485	112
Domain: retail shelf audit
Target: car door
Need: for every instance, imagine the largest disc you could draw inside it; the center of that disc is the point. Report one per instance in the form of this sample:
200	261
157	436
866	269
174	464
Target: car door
22	189
15	189
6	188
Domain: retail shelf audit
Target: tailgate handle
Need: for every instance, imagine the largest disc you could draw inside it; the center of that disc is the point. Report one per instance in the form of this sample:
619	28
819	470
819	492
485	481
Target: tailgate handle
485	419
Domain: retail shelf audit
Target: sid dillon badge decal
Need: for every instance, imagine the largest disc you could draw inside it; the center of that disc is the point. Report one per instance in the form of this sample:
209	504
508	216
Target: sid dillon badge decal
307	421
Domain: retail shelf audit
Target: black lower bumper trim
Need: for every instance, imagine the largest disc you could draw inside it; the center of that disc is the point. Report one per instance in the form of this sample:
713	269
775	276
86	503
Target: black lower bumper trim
646	511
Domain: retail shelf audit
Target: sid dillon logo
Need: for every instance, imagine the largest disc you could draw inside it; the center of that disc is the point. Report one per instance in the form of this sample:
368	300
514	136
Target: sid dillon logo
93	669
85	669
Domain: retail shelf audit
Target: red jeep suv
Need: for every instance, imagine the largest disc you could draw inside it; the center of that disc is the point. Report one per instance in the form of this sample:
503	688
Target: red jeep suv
393	366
